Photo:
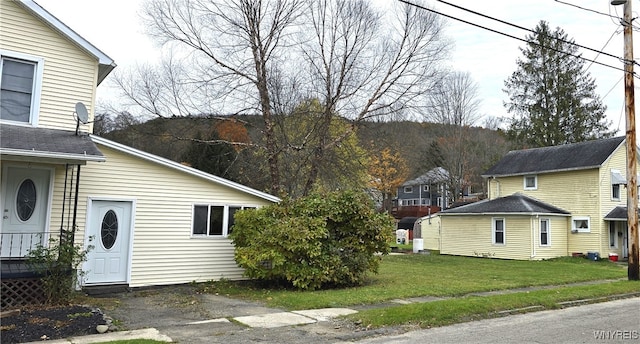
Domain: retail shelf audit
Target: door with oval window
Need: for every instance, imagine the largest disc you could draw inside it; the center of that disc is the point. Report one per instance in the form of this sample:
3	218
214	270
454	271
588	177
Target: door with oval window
25	204
108	239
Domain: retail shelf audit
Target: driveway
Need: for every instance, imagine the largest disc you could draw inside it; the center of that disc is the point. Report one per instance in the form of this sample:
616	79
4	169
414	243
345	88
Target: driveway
188	317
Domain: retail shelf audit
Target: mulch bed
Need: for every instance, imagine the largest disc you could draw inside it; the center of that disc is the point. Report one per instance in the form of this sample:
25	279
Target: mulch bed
46	323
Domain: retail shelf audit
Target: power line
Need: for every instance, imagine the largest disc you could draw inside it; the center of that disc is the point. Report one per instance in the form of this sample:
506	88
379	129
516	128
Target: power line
526	29
588	9
604	46
510	36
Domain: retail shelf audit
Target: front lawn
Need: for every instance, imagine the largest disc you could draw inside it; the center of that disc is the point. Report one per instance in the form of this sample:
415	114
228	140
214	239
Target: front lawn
405	276
456	310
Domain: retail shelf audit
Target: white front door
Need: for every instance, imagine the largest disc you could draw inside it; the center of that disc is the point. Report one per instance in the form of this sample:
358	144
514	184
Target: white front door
108	236
25	205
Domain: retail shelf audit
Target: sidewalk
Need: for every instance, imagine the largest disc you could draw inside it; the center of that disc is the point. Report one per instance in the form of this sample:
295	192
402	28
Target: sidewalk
179	314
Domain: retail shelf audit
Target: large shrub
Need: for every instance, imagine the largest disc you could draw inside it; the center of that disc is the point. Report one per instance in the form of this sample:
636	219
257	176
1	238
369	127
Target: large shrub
322	240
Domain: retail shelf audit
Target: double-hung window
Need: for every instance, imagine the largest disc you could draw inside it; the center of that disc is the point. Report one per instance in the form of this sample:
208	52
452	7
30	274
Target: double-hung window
545	232
20	87
214	220
498	231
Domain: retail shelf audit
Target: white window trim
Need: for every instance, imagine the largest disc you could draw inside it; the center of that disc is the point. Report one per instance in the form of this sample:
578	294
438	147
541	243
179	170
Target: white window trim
535	180
493	231
548	221
37	84
407	189
580	230
426	188
225	218
613	198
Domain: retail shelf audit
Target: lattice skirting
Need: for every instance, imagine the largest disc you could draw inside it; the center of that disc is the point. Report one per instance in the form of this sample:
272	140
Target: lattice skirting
21	292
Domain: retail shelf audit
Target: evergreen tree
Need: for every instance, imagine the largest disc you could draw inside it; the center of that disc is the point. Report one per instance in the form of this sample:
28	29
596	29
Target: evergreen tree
552	95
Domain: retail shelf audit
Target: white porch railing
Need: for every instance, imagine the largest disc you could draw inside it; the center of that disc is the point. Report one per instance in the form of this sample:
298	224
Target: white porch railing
18	245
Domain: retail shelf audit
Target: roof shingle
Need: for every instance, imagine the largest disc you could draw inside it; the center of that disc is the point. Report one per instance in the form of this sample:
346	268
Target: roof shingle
18	140
575	156
516	203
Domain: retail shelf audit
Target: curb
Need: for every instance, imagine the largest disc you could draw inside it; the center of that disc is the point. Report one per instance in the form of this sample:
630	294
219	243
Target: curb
146	333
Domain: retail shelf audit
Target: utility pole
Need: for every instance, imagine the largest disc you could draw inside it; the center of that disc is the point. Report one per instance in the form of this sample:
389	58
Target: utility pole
632	179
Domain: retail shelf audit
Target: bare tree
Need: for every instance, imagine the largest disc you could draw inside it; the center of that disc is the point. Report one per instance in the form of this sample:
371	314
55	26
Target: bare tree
362	69
266	57
455	100
455	105
222	54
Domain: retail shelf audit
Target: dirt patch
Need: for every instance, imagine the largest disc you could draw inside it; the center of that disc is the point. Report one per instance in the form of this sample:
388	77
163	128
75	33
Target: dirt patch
46	323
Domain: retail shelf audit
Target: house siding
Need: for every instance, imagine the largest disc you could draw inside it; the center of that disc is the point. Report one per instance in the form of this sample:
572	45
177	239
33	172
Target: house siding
163	250
577	192
430	230
69	76
558	240
471	236
616	161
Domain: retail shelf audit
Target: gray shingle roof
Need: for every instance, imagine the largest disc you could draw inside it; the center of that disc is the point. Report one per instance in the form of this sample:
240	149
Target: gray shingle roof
433	176
516	203
21	141
576	156
618	214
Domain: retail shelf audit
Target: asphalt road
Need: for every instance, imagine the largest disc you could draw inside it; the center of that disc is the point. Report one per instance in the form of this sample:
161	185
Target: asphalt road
608	322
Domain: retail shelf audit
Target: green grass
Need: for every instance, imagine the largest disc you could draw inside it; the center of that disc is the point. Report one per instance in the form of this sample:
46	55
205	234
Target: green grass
445	312
404	276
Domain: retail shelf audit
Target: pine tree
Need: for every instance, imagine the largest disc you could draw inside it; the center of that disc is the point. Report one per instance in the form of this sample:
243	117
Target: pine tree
552	95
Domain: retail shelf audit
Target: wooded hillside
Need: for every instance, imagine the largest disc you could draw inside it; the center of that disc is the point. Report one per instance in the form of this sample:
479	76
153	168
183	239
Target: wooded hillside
211	144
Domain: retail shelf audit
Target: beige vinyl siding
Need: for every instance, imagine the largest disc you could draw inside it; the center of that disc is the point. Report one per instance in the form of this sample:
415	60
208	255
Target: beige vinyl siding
430	230
164	251
471	235
617	161
577	192
558	238
69	75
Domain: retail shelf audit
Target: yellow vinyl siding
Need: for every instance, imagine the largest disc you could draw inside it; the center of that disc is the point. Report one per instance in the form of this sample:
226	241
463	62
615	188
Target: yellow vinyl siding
471	235
430	230
69	75
558	238
577	192
617	161
163	250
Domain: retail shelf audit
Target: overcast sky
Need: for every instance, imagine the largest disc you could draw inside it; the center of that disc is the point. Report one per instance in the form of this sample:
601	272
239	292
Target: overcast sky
114	27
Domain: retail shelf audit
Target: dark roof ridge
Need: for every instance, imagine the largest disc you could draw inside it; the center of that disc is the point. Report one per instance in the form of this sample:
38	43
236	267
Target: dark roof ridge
567	157
514	203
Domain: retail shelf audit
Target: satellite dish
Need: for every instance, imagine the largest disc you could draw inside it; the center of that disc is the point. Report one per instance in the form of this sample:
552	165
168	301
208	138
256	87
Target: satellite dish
81	112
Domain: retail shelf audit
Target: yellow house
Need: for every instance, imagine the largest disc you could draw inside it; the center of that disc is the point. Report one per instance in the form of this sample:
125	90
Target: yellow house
147	220
544	203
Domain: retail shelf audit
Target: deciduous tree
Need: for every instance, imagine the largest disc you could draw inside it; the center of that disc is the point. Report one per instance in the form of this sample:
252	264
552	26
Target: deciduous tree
387	170
256	56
